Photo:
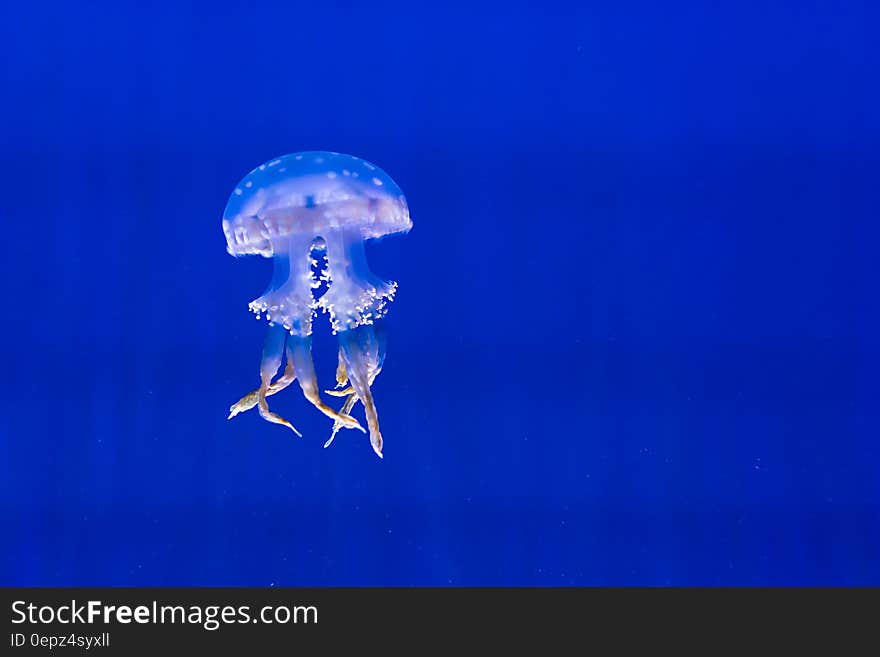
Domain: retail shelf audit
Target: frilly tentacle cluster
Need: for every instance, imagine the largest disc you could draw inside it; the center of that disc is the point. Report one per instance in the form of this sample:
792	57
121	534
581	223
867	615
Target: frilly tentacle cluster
351	304
294	315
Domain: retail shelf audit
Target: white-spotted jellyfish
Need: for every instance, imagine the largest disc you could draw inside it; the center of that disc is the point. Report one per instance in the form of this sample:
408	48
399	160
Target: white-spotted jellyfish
300	209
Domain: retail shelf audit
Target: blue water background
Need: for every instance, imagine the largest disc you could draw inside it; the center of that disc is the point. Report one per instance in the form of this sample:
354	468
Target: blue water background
636	336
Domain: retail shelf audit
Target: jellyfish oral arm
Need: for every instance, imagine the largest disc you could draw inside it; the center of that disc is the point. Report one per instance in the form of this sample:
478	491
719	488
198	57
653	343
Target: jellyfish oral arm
356	296
273	350
299	352
251	399
359	350
299	366
288	301
373	368
288	305
356	299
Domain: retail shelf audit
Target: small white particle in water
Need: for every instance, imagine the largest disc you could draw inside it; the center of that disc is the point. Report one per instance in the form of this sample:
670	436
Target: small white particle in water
319	160
331	175
262	167
274	162
355	174
377	182
249	184
346	172
238	192
298	157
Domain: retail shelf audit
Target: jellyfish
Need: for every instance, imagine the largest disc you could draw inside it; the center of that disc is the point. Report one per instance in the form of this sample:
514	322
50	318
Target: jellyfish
300	210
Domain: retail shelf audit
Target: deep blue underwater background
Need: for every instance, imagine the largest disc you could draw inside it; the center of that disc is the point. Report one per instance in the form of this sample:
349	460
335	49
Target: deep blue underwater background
636	336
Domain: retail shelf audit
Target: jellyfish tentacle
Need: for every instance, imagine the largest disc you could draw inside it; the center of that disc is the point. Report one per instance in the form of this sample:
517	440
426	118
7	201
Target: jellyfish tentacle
348	405
346	408
341	374
300	354
250	400
287	302
360	364
273	350
355	300
345	392
269	416
341	380
375	341
310	390
288	305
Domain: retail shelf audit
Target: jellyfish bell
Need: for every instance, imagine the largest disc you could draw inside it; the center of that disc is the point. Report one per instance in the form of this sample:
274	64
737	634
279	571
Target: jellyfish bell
286	209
